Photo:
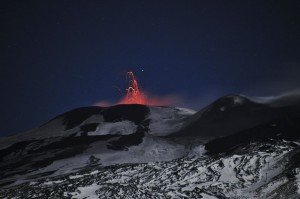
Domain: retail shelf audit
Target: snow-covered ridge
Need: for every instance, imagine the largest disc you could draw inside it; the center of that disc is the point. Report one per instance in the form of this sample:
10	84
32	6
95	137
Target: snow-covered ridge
114	135
281	100
163	121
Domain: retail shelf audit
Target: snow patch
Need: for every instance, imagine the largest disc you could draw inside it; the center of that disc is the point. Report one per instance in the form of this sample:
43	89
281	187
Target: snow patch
53	182
238	100
125	127
166	120
298	180
88	192
150	150
76	176
198	150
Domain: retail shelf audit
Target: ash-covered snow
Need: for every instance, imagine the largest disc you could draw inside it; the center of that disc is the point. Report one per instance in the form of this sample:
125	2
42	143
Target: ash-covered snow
198	150
298	180
151	149
87	192
238	175
53	182
52	129
129	156
166	120
121	128
163	121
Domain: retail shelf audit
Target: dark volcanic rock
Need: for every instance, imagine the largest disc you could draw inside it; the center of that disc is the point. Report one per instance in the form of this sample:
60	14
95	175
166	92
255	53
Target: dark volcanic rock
227	115
232	114
284	128
38	152
132	112
75	117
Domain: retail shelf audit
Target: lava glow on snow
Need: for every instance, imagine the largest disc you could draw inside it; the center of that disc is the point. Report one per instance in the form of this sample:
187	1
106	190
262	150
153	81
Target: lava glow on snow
135	95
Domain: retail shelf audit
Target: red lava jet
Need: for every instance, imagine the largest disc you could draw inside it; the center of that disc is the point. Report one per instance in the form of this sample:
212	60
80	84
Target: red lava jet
134	95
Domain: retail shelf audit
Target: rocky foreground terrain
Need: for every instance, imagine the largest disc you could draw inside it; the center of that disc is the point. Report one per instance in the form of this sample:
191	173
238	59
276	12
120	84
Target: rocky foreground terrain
259	170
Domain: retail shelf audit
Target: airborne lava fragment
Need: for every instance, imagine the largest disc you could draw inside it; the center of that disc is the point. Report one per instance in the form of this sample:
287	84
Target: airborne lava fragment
134	95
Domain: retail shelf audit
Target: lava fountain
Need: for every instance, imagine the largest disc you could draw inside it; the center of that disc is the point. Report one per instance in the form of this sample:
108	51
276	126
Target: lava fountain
134	95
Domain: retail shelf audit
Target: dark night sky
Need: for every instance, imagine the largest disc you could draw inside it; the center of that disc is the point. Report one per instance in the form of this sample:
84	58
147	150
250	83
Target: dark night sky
59	55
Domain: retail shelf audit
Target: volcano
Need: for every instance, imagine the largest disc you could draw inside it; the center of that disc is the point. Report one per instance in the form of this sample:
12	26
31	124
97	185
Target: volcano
236	147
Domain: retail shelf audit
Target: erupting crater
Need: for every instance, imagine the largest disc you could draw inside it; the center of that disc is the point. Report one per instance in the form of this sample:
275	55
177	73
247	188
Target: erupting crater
134	95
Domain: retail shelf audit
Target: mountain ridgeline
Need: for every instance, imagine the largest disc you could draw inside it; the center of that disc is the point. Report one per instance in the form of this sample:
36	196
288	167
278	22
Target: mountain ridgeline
90	137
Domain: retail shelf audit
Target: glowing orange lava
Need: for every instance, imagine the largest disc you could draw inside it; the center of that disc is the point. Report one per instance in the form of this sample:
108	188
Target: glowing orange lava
134	95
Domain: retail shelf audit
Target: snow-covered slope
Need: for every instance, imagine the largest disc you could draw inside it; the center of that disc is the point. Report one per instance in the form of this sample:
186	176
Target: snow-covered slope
167	120
112	135
120	119
158	152
260	170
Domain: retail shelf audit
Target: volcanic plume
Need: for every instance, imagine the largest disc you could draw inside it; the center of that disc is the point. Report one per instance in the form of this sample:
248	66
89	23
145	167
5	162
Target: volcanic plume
134	94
